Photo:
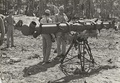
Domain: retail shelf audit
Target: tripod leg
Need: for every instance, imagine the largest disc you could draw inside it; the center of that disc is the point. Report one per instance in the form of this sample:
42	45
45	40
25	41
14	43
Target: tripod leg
81	55
67	52
89	51
82	48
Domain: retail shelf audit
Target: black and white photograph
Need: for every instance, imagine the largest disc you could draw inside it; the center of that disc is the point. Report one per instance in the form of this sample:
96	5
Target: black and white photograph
59	41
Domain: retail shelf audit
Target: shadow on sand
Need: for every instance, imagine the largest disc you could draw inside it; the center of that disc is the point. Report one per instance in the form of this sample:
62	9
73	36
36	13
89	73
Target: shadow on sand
40	67
68	78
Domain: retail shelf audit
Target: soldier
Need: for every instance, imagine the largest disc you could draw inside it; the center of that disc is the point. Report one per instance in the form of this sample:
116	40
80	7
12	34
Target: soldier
2	30
69	11
10	26
47	42
53	9
61	18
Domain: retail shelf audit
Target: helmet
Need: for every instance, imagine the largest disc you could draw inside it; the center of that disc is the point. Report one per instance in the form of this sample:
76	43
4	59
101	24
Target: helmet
47	11
61	8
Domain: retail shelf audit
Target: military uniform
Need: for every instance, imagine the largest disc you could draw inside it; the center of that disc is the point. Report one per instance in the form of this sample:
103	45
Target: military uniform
2	31
10	26
61	37
47	42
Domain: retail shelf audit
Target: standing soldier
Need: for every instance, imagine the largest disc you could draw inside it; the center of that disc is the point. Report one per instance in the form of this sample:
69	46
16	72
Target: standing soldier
61	18
70	11
53	9
10	26
47	42
2	30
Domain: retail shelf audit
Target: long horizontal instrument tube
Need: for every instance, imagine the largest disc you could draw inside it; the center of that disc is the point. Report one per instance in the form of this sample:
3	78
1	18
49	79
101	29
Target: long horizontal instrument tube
78	26
66	27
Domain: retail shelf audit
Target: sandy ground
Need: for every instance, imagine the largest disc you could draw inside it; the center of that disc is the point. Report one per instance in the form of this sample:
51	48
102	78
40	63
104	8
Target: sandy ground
29	69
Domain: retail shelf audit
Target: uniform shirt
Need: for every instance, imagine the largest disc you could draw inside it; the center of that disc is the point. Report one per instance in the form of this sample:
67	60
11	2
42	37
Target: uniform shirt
69	10
46	20
53	9
61	18
9	20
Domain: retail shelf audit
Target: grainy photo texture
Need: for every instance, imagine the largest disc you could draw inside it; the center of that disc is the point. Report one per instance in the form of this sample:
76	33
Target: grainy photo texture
59	41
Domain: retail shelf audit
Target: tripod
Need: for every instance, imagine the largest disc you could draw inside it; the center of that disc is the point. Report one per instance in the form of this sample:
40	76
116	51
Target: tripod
83	52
